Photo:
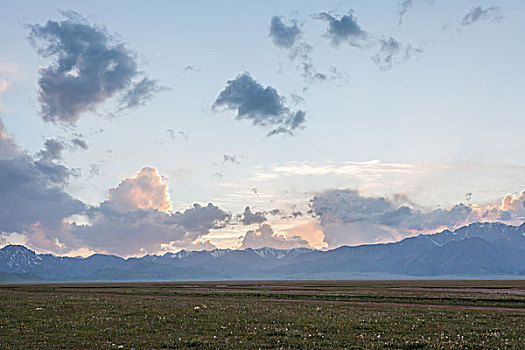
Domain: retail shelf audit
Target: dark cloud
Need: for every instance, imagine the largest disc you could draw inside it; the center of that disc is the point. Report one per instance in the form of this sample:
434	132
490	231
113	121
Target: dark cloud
348	206
476	14
192	69
53	149
80	143
344	29
249	217
226	158
89	67
138	231
32	194
174	134
47	162
392	52
8	148
263	106
348	217
276	212
264	236
287	35
283	34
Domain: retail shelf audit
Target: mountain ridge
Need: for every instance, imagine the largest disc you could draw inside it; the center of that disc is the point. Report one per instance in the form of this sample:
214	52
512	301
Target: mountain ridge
478	249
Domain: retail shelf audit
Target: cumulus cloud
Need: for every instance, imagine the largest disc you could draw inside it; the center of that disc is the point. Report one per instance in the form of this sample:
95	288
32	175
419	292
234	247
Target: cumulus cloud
261	105
136	218
285	35
143	191
344	29
476	14
132	232
249	217
89	67
264	236
347	217
53	149
392	52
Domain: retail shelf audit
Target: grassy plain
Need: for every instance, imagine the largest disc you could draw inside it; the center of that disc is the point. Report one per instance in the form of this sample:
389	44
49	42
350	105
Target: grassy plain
265	315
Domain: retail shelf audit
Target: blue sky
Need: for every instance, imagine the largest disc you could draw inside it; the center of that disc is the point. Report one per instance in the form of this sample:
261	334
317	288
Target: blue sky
440	126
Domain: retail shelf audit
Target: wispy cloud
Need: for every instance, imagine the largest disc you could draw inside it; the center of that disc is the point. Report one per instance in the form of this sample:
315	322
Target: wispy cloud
477	14
392	52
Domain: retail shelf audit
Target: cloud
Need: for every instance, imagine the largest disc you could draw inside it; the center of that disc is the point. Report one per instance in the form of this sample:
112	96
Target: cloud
135	219
53	149
80	143
344	29
392	52
249	218
138	231
47	162
8	148
32	191
174	134
406	5
264	236
263	106
4	85
230	159
350	218
143	191
89	67
285	35
140	93
476	14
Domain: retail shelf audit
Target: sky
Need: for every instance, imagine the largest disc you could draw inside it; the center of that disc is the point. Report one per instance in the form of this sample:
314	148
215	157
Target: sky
131	129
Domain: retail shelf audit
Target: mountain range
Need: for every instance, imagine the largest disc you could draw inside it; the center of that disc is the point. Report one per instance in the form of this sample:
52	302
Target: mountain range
475	251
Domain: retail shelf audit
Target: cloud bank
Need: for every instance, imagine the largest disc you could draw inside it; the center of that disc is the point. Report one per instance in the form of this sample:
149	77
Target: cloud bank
347	217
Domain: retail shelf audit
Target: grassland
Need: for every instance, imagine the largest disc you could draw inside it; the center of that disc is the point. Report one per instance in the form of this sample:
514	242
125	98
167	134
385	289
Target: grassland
266	315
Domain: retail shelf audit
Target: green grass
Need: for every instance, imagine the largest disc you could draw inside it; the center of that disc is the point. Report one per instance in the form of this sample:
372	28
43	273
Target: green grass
266	315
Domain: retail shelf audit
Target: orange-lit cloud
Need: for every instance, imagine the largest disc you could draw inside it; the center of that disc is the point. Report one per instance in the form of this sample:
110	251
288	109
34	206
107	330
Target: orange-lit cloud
143	191
265	236
310	231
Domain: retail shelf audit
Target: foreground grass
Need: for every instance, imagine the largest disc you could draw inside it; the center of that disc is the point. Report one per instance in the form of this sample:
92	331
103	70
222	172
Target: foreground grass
241	315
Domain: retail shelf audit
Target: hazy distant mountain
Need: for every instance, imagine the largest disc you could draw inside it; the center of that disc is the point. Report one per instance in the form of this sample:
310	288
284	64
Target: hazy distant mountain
479	249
